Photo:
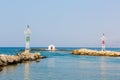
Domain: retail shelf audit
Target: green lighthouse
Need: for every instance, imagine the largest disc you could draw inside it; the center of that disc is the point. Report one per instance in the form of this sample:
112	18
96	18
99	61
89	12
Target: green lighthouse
27	35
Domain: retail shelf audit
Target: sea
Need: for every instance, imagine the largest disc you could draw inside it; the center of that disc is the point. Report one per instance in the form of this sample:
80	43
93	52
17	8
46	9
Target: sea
62	65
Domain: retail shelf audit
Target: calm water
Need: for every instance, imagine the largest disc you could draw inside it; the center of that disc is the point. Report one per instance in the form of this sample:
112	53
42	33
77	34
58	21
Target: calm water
62	65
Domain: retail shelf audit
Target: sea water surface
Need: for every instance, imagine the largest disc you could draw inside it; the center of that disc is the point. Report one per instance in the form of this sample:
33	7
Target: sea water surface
62	65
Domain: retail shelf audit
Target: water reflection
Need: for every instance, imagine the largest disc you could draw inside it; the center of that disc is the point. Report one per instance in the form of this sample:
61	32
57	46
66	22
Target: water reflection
103	68
27	71
8	69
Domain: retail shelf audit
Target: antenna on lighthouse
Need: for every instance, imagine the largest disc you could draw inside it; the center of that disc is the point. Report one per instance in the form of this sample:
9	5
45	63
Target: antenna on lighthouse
103	42
27	36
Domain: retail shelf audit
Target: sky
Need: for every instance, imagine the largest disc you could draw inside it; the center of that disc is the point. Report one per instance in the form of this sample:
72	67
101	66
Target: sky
64	23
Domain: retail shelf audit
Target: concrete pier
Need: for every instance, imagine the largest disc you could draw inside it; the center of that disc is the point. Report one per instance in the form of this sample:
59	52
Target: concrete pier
95	53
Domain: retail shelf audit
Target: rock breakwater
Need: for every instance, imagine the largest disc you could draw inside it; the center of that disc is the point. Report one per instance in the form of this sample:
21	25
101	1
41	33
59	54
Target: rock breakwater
95	53
19	58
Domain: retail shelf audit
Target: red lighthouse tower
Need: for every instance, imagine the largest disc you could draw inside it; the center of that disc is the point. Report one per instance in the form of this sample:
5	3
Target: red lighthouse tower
103	42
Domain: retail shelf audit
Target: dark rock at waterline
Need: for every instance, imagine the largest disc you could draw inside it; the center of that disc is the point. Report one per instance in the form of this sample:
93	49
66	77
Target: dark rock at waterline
1	63
38	60
1	68
42	57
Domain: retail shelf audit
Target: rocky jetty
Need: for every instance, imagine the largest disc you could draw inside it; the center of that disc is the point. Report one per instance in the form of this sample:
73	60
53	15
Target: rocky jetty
95	53
19	58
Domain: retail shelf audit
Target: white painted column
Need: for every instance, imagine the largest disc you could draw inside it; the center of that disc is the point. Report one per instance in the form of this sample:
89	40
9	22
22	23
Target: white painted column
27	35
103	42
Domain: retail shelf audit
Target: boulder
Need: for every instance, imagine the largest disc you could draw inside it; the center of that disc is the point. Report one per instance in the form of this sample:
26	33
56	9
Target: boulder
1	63
3	60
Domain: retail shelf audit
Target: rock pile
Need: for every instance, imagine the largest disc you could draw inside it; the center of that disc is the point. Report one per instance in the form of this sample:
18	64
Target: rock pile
95	52
19	58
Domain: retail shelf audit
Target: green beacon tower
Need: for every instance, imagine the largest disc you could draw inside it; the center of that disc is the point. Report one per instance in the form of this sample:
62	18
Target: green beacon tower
27	36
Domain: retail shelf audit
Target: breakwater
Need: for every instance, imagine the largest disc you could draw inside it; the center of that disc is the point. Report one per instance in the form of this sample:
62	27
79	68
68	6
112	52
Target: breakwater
19	58
95	53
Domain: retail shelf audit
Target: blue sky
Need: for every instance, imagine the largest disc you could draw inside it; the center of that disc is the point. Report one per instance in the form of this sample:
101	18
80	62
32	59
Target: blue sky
67	23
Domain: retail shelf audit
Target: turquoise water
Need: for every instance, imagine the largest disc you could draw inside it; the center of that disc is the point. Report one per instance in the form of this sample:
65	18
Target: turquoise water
62	65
